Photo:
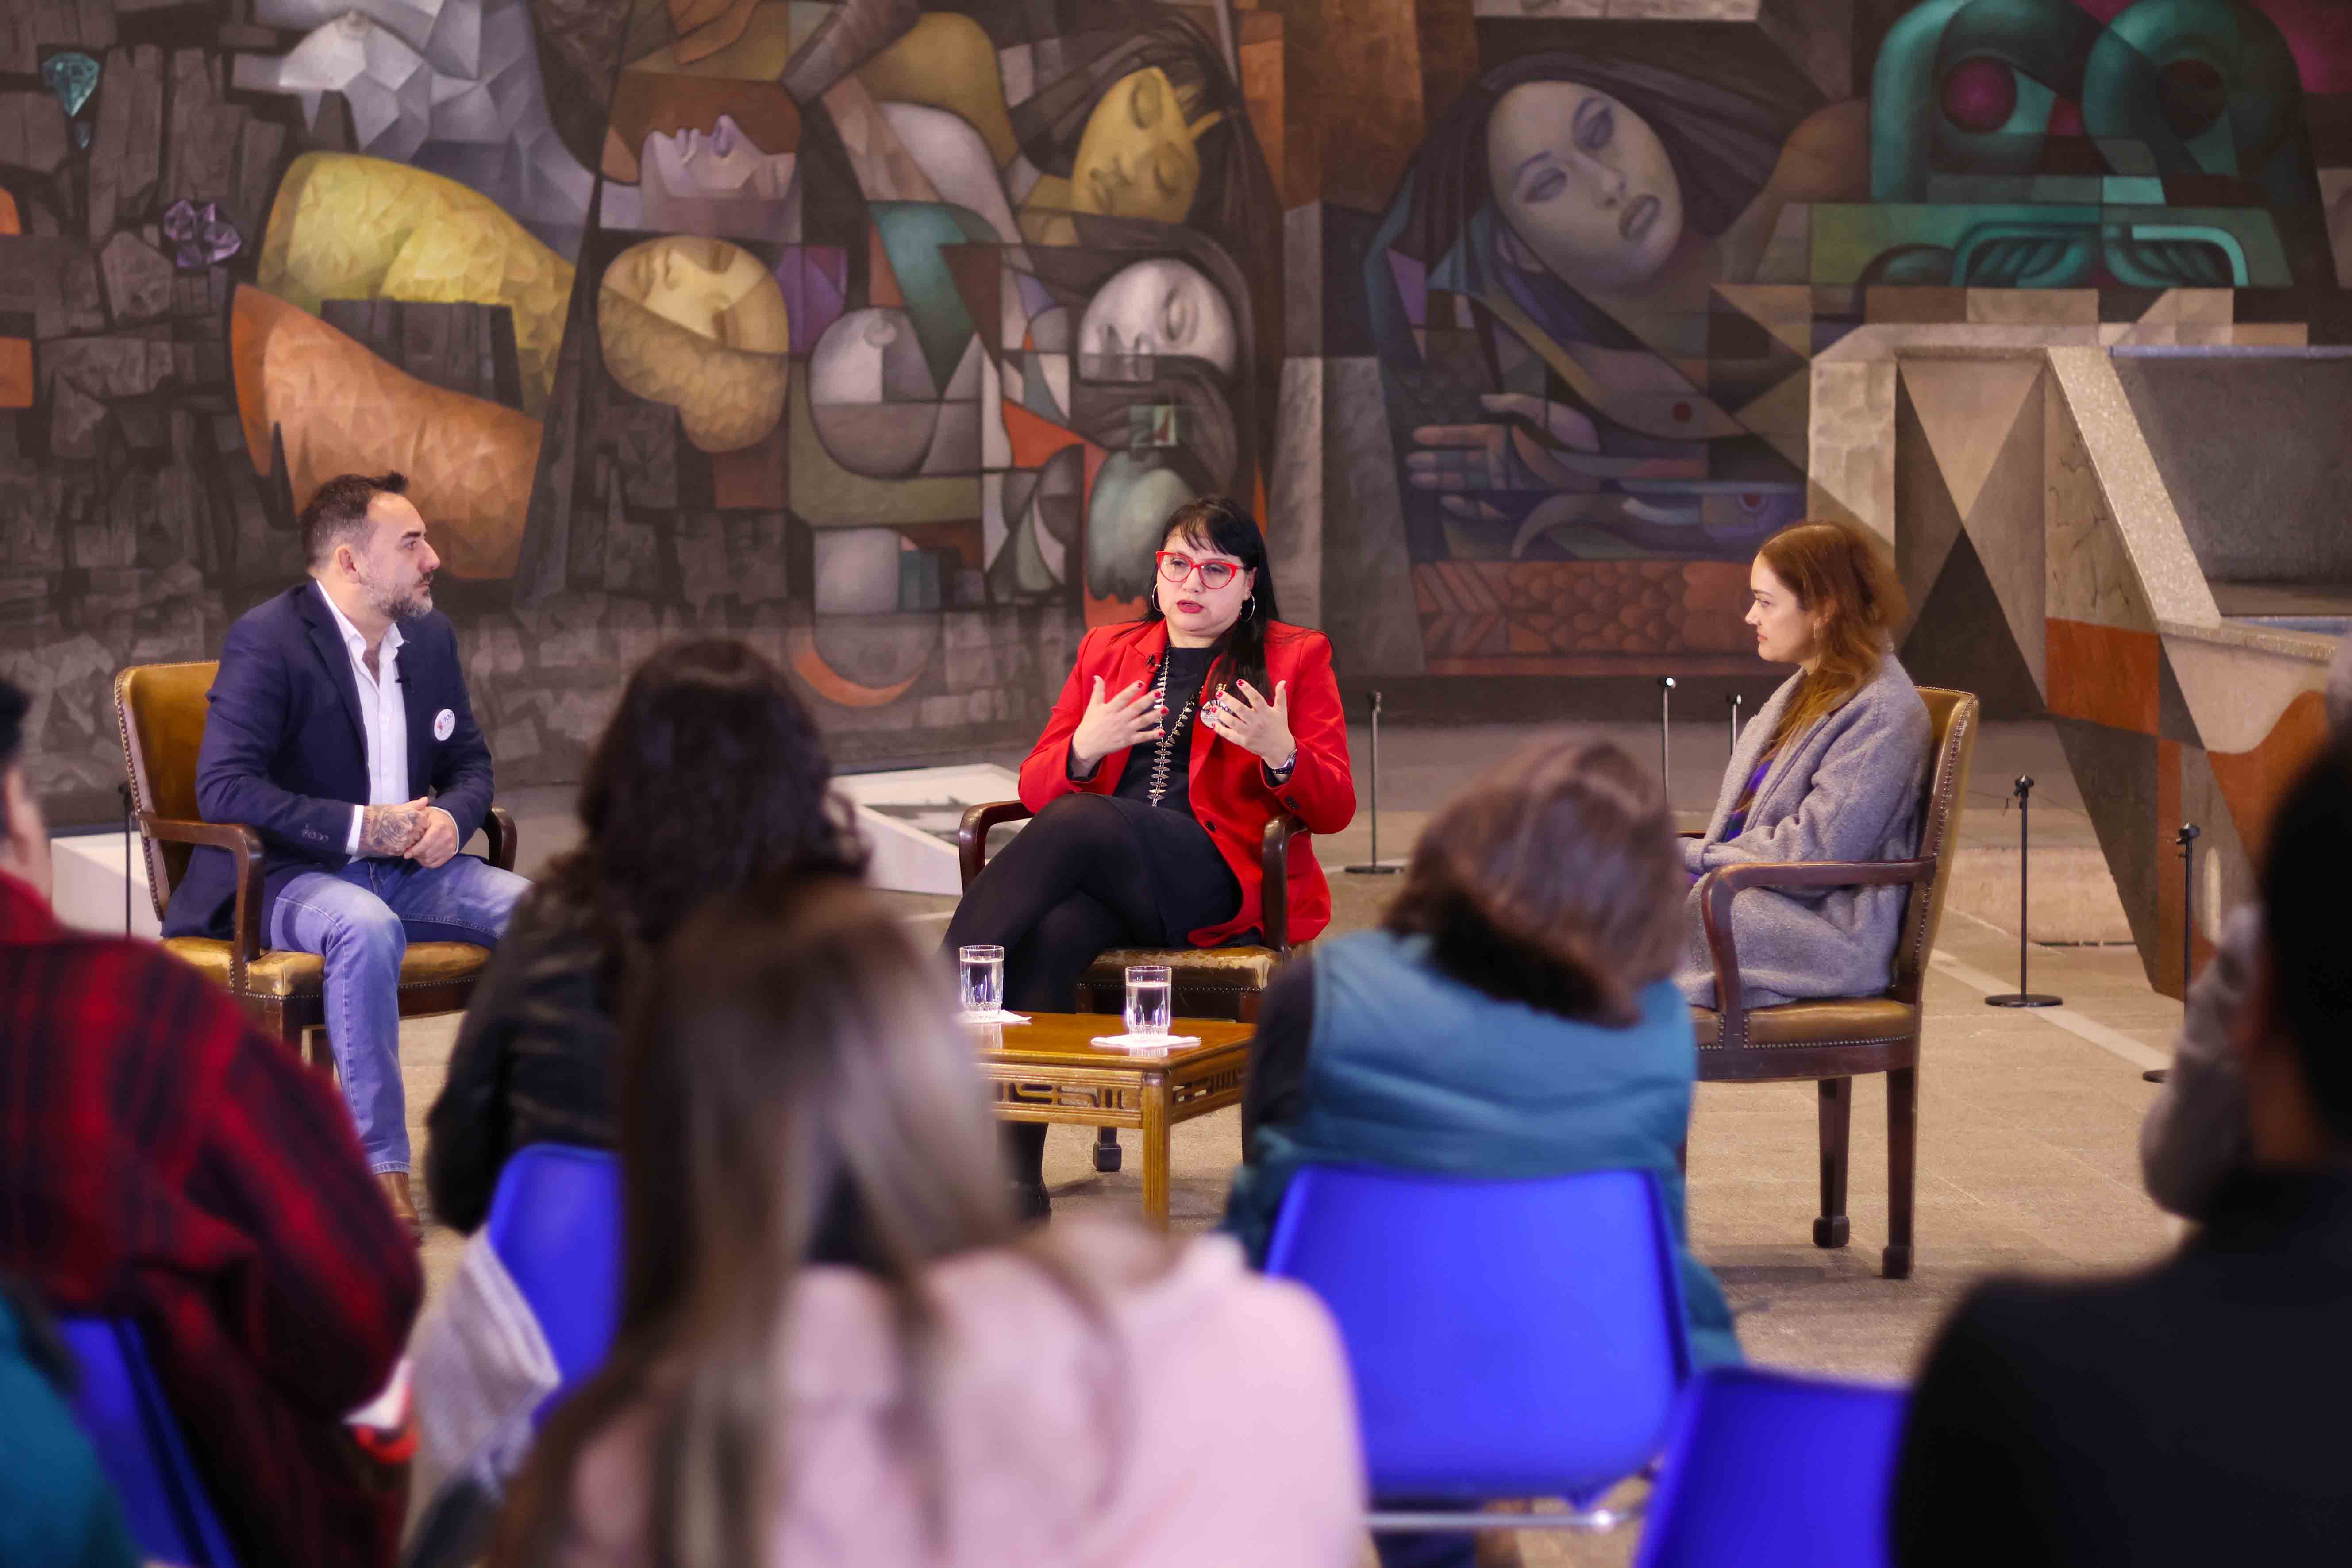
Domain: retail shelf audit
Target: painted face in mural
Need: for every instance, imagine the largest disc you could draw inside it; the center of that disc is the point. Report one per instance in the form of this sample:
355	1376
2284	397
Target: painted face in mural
720	162
1156	307
1197	614
710	287
1584	184
1785	633
1135	157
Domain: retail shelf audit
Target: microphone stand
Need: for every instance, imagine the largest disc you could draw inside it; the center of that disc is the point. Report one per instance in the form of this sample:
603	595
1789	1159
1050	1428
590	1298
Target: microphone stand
1732	703
2021	997
1375	867
1666	715
2187	839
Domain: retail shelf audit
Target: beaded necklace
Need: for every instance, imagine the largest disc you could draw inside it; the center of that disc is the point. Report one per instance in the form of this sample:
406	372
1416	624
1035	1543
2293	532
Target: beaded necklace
1163	754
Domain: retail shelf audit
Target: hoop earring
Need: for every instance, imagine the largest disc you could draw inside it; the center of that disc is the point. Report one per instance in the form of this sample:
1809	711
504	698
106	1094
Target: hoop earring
1249	607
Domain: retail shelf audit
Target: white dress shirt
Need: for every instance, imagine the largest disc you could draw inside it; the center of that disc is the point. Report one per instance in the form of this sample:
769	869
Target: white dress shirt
383	716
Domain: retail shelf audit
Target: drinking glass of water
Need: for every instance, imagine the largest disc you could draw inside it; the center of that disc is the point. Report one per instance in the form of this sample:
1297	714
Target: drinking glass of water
980	970
1149	1006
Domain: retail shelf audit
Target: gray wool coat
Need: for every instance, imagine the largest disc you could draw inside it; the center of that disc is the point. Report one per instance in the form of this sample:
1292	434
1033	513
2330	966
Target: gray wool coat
1848	788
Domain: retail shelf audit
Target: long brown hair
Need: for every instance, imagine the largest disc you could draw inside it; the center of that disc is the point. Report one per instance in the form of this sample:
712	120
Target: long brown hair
1554	881
791	1048
1843	578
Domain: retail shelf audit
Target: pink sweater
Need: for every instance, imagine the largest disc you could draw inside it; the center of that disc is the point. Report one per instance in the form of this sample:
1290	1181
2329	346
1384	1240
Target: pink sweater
1210	1422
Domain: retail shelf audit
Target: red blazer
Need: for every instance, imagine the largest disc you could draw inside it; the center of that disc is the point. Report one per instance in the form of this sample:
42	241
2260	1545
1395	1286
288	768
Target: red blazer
1229	794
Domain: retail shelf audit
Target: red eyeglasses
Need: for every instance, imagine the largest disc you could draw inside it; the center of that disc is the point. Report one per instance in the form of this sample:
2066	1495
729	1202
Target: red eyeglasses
1175	568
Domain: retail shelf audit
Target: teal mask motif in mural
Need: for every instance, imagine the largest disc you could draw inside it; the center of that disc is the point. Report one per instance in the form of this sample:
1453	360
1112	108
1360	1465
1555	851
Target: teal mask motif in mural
2019	144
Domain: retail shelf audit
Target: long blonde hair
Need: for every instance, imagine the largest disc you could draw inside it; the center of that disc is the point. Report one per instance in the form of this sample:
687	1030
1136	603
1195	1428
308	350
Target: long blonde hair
790	1056
1842	577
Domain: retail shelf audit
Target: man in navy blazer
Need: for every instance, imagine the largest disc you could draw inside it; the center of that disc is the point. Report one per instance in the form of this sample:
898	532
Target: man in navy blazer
341	732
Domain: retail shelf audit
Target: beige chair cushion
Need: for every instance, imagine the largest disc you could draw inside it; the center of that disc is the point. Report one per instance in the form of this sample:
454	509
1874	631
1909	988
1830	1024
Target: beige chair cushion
1238	968
288	974
1843	1021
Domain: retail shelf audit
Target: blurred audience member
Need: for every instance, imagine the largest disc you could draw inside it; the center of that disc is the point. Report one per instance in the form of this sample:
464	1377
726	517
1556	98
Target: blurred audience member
1513	1017
2192	1413
2195	1134
710	775
57	1509
959	1394
159	1160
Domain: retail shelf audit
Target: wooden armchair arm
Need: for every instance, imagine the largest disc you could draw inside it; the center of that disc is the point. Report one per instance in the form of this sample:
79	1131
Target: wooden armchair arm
498	827
972	837
244	845
1720	885
1273	884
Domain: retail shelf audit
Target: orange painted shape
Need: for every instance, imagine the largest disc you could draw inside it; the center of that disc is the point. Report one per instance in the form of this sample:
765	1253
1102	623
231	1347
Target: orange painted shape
16	373
10	223
1034	437
2103	675
834	687
2254	781
881	281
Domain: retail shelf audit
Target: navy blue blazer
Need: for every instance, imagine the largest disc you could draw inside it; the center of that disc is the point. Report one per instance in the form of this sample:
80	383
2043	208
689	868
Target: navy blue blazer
285	752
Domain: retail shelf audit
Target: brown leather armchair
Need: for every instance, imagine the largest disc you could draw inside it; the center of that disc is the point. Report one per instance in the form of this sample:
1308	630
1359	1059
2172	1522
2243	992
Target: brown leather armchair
1830	1040
160	710
1204	982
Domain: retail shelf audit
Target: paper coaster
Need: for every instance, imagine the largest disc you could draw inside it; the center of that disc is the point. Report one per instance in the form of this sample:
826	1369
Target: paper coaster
998	1016
1145	1042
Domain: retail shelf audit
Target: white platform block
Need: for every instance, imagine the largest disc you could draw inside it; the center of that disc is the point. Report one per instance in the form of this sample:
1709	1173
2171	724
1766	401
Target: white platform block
89	891
910	816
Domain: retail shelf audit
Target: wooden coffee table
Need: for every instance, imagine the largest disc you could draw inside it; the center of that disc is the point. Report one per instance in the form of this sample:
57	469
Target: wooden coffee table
1046	1070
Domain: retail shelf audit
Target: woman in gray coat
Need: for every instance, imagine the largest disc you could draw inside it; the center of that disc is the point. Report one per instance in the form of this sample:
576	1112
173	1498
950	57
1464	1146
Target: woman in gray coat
1830	770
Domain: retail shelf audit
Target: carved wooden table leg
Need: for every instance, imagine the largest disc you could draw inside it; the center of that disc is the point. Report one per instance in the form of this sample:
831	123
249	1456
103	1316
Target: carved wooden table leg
1153	1096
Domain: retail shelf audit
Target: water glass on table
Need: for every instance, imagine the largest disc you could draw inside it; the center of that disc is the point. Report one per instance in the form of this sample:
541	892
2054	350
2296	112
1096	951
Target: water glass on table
979	970
1151	1008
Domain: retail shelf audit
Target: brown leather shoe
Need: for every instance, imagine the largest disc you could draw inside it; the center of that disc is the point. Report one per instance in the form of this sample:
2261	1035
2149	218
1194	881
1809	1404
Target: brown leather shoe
403	1209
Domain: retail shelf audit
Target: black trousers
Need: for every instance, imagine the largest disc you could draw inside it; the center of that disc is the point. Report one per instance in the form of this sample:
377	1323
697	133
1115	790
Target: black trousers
1089	872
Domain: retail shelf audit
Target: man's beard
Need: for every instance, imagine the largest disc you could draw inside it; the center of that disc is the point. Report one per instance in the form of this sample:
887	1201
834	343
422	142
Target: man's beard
411	605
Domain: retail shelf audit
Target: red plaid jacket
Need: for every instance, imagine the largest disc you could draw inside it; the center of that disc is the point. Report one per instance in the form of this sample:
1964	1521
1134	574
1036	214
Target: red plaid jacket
160	1160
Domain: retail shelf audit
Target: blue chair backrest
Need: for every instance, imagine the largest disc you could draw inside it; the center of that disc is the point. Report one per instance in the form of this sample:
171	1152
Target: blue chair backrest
1770	1471
121	1406
555	1223
1508	1338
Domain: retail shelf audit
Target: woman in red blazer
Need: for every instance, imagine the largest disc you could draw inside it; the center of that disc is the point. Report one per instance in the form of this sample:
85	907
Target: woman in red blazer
1176	740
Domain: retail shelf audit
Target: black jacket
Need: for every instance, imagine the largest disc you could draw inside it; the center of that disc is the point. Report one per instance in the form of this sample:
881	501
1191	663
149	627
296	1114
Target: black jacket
535	1058
2197	1412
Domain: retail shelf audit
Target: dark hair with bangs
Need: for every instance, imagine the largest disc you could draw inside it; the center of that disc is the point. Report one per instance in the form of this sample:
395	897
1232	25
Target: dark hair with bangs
1223	525
1553	882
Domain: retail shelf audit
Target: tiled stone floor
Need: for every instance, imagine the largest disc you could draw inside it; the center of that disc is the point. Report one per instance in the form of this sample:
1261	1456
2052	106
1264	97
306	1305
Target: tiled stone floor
2028	1156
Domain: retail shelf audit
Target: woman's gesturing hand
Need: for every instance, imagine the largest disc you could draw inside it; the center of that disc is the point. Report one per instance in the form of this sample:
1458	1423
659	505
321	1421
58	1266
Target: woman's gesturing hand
1113	723
1251	722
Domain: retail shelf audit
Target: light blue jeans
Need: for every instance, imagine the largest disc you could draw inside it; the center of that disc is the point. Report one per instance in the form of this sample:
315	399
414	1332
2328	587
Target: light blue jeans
361	920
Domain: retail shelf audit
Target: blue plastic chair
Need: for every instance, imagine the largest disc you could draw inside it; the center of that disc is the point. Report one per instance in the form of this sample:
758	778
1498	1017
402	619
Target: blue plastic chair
1769	1470
1520	1339
121	1406
555	1223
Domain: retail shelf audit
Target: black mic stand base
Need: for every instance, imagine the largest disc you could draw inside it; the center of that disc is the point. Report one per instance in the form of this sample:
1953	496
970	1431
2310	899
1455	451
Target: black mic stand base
2024	999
